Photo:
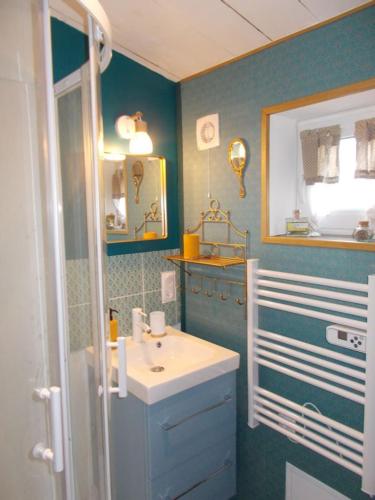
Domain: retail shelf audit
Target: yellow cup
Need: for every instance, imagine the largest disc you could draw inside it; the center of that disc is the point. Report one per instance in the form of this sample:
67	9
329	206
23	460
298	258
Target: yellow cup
191	246
150	235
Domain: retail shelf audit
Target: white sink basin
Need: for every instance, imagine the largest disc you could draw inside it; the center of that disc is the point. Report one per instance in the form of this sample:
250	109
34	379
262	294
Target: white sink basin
183	360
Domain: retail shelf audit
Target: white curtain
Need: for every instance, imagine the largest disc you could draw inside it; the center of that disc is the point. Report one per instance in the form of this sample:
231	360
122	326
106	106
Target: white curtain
320	154
365	137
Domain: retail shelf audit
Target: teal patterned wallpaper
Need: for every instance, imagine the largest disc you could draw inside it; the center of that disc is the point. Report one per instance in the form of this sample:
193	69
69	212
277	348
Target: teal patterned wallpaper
334	55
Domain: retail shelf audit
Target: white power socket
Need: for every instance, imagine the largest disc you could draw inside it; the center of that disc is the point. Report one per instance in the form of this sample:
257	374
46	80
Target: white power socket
168	286
350	338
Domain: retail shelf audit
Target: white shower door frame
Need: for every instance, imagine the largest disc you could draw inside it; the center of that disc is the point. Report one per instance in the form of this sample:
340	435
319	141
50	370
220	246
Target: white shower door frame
92	126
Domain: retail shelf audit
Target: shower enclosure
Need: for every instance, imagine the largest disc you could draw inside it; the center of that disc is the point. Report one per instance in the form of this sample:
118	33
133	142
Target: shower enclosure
58	430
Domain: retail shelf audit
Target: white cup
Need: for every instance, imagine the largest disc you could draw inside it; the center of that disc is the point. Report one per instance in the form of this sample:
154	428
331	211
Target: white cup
157	323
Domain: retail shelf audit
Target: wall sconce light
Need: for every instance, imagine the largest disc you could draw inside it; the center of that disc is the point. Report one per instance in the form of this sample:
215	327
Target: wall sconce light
135	129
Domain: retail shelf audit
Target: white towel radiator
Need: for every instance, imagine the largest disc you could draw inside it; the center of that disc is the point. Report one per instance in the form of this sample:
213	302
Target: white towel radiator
340	374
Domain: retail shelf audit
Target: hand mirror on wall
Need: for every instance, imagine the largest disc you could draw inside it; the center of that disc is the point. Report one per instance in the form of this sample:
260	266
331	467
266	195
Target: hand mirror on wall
237	160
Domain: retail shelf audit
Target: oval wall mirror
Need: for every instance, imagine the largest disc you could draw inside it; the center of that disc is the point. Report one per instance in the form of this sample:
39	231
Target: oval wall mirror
237	161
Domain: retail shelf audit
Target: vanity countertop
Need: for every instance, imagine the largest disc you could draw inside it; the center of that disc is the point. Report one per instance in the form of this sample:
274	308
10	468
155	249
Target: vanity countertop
184	361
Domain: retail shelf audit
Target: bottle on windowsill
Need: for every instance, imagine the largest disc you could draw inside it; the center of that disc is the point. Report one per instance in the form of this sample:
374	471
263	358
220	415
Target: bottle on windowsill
363	232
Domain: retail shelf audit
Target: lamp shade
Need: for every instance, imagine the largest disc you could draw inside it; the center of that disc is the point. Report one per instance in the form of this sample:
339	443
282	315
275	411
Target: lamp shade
140	144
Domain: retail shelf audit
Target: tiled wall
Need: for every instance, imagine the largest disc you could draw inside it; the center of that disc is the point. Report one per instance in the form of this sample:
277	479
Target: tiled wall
133	281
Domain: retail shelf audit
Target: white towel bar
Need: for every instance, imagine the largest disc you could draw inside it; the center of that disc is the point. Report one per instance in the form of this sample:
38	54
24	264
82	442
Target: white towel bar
287	297
340	374
302	278
361	325
318	292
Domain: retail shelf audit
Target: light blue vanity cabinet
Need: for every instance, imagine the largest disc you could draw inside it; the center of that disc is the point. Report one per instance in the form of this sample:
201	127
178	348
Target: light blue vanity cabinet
181	447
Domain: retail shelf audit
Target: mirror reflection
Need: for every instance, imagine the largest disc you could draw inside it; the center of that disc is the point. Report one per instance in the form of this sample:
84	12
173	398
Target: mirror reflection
135	198
318	168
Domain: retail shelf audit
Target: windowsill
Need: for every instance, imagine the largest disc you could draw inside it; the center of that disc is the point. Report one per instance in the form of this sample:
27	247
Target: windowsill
344	242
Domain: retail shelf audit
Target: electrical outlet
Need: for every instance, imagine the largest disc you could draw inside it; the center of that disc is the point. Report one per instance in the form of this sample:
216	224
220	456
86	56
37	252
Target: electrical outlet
350	338
168	286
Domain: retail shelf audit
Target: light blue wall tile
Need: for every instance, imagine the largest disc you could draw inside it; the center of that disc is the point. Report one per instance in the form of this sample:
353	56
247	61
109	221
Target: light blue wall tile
153	303
124	306
124	275
153	264
134	281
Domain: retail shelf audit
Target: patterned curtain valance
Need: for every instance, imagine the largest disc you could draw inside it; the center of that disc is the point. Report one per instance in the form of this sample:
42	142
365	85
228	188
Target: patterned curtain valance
365	137
320	154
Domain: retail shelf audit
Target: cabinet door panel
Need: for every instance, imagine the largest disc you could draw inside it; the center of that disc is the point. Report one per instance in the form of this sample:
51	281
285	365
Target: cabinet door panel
210	475
190	422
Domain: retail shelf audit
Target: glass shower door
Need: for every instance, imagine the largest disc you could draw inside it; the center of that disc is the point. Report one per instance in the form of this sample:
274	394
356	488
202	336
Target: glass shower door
85	301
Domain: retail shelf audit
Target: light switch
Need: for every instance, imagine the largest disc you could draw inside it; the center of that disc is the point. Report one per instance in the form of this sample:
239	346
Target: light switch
168	286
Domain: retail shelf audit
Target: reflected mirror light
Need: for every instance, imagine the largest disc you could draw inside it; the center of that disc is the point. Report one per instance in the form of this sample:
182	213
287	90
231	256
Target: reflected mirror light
114	156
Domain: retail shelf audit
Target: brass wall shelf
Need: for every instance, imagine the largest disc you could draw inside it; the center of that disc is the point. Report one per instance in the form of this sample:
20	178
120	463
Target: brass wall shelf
231	251
209	260
213	250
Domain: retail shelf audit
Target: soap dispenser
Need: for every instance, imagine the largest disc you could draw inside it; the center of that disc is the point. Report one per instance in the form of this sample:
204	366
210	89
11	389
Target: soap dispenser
113	325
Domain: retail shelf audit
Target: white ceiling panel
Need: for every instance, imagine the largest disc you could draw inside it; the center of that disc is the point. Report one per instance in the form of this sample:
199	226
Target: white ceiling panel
183	34
178	43
323	9
178	38
275	18
216	22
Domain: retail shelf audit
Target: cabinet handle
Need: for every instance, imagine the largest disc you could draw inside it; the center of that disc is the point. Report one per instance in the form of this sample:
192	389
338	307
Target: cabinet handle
226	465
168	427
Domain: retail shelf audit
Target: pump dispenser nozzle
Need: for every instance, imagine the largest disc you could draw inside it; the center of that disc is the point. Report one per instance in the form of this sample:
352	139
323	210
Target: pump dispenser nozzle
113	325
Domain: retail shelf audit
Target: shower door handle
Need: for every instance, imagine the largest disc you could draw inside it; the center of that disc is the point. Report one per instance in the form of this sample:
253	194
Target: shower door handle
54	454
122	389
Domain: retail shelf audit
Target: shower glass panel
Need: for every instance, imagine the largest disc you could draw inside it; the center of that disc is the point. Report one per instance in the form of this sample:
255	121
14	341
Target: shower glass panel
82	335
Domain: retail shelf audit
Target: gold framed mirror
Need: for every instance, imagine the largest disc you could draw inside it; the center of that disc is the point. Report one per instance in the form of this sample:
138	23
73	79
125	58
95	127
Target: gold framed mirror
237	158
135	198
315	188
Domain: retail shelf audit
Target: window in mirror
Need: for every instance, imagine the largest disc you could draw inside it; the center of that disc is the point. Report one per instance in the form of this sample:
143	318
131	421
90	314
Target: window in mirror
336	208
319	168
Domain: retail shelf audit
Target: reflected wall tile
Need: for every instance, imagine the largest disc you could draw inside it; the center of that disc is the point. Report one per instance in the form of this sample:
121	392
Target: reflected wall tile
80	326
78	281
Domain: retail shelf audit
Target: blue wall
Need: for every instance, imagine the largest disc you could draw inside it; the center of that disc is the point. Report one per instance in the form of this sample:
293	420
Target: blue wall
334	55
128	87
